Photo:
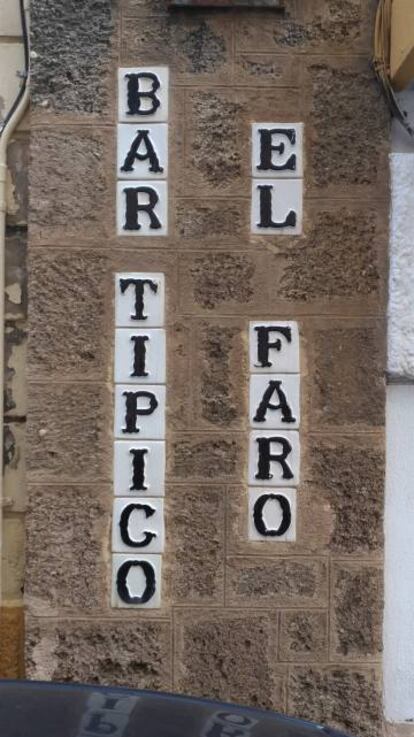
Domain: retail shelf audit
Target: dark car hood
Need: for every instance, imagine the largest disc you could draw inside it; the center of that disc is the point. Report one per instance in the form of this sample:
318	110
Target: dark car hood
32	709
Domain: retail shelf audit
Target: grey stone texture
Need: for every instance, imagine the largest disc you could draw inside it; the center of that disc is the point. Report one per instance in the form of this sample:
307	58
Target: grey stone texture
290	626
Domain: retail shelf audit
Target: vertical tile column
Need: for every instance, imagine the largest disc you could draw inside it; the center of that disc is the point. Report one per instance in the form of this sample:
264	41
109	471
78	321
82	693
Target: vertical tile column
139	448
274	416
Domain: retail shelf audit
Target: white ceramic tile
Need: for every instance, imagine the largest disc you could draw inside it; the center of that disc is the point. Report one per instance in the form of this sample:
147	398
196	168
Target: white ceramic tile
143	108
283	444
101	721
152	220
272	515
142	408
274	401
135	577
133	287
277	206
139	468
138	525
142	151
140	356
283	356
112	701
286	158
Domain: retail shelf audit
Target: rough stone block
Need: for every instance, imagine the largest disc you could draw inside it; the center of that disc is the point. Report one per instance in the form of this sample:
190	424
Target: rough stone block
214	223
231	282
220	374
66	559
135	653
196	48
179	385
345	698
357	611
11	642
228	656
283	582
78	81
265	70
66	205
303	636
313	525
348	473
70	285
346	363
202	457
348	90
195	544
69	428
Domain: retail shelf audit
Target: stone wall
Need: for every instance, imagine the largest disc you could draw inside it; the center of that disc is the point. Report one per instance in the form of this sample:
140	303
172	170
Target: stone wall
290	626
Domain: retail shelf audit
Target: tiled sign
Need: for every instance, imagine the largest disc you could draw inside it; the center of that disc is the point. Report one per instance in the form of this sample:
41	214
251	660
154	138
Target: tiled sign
139	447
277	178
142	151
274	418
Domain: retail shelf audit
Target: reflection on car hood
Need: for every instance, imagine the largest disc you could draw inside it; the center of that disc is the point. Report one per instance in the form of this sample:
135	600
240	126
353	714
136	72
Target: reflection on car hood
32	709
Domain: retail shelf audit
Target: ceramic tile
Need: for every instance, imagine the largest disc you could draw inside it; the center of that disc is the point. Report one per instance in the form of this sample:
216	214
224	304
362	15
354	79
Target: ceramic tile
275	343
139	468
140	412
142	208
277	206
142	94
136	581
274	401
142	151
277	150
140	356
274	458
272	515
138	525
139	300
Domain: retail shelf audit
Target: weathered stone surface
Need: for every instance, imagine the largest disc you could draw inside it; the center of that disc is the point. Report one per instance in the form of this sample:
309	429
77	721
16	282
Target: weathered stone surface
349	699
66	561
74	286
283	582
228	656
303	636
357	610
70	62
142	8
217	222
17	190
70	431
116	653
336	258
194	47
13	561
202	457
220	374
14	484
179	405
15	344
348	473
347	368
339	93
262	70
195	544
11	642
226	282
16	276
62	205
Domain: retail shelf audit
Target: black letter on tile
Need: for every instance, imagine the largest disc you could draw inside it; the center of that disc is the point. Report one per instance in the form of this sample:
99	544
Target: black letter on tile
266	148
139	285
133	207
139	354
265	404
121	581
259	521
266	210
138	469
150	154
263	344
266	457
132	411
135	96
124	523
